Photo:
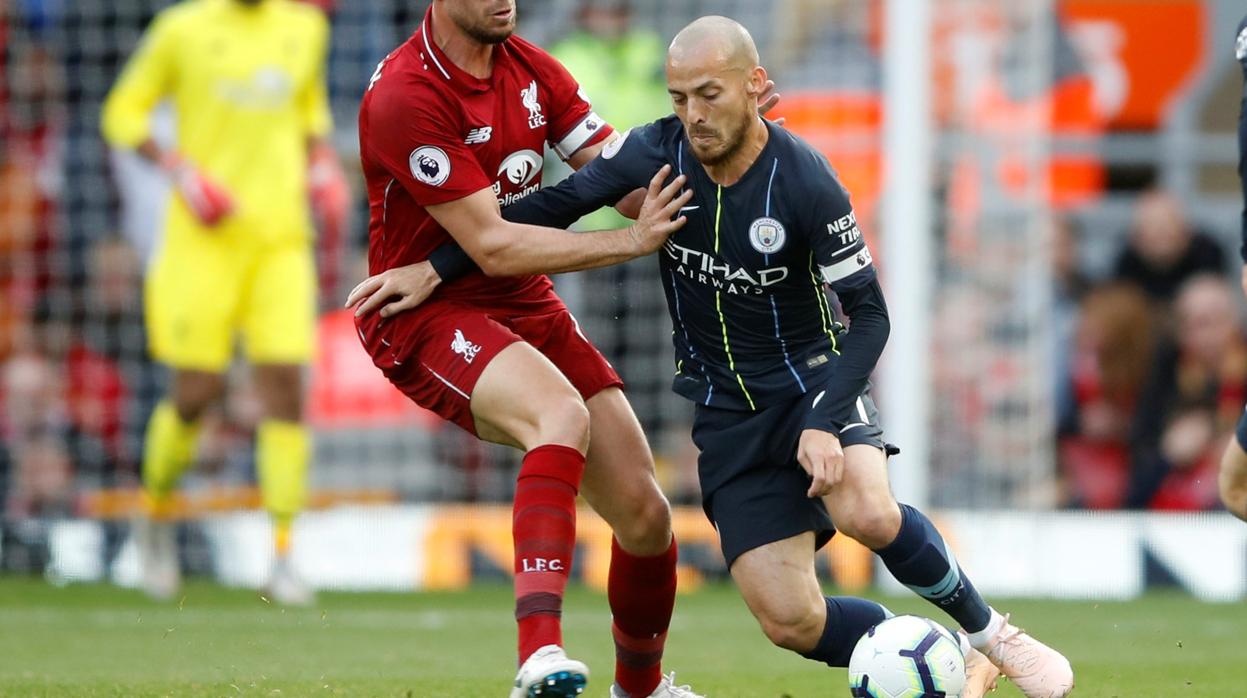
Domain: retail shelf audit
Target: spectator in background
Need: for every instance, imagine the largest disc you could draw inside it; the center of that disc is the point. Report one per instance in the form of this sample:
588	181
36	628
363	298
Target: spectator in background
620	68
1112	353
1163	250
1070	287
1196	390
34	423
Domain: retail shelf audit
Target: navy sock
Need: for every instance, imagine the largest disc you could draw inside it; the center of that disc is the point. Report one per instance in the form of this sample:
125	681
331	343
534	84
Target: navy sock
848	618
921	560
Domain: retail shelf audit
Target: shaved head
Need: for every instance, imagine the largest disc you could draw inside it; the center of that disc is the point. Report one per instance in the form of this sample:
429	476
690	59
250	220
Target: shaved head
720	40
714	80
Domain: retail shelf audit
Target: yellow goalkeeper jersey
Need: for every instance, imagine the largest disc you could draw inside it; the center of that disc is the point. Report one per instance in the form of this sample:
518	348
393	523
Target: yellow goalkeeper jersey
248	86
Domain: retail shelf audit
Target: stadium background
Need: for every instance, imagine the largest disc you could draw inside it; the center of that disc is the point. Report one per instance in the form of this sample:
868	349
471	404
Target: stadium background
1081	151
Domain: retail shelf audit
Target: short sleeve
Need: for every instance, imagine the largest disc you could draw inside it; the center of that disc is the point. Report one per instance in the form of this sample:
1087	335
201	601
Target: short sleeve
417	139
314	101
573	125
837	241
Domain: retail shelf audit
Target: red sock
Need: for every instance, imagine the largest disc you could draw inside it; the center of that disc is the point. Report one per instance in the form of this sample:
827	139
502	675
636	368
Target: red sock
642	596
543	525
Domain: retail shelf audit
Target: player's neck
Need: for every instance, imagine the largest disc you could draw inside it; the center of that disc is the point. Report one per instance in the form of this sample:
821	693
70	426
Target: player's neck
729	171
472	57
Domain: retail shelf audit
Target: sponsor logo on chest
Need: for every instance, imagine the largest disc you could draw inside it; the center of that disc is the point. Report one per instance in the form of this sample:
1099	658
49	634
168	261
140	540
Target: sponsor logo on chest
520	170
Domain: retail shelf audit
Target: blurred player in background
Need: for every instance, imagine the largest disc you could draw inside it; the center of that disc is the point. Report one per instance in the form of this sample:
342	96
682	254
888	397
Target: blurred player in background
246	79
1234	462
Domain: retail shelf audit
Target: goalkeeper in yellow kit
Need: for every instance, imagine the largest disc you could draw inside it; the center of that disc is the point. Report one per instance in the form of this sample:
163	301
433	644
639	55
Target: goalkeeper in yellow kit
246	79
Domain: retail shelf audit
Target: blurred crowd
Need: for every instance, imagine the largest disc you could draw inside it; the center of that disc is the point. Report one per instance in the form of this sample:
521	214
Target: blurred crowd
1154	364
1149	360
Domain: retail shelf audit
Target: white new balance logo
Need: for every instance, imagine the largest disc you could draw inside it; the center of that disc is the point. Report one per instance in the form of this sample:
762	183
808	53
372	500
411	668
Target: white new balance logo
479	135
461	345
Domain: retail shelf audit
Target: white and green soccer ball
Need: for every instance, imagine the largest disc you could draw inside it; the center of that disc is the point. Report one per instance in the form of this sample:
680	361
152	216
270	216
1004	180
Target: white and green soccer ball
907	657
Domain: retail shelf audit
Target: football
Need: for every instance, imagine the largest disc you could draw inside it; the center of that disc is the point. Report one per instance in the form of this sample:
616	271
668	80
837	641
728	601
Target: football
907	657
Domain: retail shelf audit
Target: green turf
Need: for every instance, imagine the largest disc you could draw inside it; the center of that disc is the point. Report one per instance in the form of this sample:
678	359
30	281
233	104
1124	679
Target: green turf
102	641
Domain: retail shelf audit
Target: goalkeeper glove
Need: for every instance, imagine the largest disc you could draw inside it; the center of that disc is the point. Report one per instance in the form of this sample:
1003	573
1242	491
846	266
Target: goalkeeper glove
208	201
330	194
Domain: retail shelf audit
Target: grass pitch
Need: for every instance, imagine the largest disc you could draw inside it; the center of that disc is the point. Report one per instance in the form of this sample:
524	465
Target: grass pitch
86	641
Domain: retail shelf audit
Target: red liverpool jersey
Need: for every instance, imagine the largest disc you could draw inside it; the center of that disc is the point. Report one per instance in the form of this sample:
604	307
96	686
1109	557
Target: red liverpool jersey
431	133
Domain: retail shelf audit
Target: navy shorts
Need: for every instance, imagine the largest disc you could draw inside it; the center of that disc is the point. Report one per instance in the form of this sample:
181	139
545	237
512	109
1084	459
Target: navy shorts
1241	432
753	489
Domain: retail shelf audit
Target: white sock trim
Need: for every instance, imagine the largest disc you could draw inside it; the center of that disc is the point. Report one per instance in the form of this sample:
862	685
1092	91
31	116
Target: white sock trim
981	640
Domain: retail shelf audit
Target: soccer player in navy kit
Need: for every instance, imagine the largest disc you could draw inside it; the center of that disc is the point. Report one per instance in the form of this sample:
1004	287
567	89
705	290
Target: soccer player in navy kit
1233	479
788	434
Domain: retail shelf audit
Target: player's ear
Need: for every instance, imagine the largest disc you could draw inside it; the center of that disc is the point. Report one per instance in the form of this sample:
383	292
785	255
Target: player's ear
757	81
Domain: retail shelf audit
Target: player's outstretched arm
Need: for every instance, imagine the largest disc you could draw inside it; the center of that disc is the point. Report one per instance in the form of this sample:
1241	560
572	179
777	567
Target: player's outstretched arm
503	248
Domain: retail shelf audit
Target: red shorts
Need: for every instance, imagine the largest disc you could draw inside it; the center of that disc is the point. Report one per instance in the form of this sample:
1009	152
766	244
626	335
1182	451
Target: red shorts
436	353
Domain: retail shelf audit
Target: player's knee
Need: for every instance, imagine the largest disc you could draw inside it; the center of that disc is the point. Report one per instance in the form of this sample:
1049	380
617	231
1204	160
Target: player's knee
793	627
873	524
565	421
192	401
645	527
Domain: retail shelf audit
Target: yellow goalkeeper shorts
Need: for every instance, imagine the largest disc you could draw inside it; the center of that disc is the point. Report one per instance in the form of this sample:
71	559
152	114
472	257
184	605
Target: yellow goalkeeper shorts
204	291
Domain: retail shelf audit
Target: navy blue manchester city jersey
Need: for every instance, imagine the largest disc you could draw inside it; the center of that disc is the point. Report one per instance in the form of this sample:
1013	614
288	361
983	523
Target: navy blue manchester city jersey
745	277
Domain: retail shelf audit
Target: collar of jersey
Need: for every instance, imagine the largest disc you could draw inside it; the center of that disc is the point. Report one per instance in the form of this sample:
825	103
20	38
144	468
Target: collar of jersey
445	68
238	9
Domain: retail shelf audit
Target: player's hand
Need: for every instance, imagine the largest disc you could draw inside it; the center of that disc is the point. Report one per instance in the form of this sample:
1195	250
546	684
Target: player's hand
405	288
329	191
207	200
819	453
656	221
767	101
1243	279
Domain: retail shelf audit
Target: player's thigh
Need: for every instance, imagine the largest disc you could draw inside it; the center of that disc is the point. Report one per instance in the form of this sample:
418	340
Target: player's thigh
278	308
191	297
619	478
752	488
558	337
521	399
862	504
777	580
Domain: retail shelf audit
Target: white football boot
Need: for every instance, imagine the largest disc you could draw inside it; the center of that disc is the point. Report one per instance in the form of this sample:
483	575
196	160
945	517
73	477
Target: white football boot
548	673
1035	668
666	689
157	543
285	587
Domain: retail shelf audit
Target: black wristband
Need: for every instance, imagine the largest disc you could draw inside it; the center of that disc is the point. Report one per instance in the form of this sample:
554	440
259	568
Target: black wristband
450	261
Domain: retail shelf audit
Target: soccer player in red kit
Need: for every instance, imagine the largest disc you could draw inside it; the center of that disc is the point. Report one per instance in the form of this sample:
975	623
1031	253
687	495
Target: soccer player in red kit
452	127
